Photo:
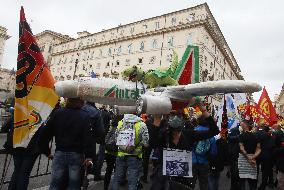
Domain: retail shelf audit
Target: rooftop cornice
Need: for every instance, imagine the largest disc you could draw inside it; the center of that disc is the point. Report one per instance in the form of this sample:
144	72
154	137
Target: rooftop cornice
220	33
140	35
56	34
5	36
138	22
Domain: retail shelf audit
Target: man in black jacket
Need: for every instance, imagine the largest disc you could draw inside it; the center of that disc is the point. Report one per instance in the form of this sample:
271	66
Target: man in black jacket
71	128
278	155
265	158
233	147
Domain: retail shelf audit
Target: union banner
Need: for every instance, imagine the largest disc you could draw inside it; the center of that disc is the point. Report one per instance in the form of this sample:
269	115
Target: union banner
266	108
35	97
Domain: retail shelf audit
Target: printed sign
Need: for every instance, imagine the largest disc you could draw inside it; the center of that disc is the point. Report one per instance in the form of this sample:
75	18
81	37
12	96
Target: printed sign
126	138
177	163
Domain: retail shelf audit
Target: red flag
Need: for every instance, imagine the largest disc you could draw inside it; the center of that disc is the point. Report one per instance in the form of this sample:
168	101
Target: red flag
266	108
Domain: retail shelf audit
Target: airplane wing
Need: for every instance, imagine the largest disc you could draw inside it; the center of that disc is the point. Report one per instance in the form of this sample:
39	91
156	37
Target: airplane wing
185	92
165	99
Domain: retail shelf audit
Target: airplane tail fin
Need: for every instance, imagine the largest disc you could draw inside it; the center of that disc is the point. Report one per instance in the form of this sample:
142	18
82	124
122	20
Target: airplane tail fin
187	70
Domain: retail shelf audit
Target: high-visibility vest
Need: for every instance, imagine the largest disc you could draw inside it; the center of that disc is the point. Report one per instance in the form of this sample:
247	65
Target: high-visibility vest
138	147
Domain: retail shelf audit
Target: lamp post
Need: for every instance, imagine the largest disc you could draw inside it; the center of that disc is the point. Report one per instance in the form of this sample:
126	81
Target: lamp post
76	65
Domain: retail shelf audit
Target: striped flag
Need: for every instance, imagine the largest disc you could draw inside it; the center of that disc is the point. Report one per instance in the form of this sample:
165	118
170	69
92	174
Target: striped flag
35	97
187	71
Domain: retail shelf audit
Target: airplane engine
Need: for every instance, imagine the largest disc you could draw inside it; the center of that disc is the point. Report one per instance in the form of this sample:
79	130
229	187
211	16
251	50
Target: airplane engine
153	105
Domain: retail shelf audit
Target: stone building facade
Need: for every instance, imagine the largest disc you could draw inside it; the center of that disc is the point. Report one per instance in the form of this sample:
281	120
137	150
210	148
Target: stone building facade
147	43
7	83
3	37
279	102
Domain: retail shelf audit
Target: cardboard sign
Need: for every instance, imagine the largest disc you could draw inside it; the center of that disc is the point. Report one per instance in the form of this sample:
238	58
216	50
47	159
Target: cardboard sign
126	138
177	162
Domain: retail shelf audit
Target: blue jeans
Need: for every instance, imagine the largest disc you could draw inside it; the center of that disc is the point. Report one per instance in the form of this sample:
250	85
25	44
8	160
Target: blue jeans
23	166
133	166
66	162
213	180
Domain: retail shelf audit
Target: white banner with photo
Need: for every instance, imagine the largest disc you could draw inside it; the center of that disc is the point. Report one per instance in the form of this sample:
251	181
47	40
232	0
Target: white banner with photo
177	162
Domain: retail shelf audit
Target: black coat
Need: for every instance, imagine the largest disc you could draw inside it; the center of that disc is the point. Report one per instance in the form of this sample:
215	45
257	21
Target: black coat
72	131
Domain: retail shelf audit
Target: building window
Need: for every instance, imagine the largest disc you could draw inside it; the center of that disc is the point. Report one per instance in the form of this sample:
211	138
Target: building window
119	50
190	17
42	48
132	30
189	39
157	25
127	62
109	51
130	48
117	63
107	65
174	20
152	60
49	49
142	46
171	41
80	44
98	66
140	61
101	52
211	66
154	44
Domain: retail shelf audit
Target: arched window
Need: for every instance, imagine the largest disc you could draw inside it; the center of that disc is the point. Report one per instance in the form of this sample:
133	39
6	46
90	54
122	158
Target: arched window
154	44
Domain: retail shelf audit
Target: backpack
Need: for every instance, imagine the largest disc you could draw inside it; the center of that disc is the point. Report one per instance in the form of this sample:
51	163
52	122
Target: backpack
110	140
202	147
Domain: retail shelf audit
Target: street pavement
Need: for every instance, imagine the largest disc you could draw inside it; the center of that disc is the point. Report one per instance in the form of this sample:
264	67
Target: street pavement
42	182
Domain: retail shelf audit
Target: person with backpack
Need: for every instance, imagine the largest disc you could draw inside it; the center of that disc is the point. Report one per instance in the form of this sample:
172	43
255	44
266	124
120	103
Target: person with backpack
131	136
111	150
173	136
201	152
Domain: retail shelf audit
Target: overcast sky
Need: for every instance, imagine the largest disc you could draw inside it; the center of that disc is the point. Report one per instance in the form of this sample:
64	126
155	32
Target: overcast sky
253	29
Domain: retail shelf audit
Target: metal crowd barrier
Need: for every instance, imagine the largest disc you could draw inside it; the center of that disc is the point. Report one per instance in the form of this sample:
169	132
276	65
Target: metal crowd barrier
42	167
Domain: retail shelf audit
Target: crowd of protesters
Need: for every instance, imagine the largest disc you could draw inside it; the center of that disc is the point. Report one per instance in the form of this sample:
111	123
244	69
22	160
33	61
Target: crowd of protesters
132	146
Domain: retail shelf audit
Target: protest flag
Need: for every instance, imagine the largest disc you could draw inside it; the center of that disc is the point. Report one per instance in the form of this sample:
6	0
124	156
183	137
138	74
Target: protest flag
266	108
35	97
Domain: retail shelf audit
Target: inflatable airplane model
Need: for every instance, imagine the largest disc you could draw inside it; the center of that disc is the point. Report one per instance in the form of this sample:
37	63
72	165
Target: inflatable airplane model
134	97
155	101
